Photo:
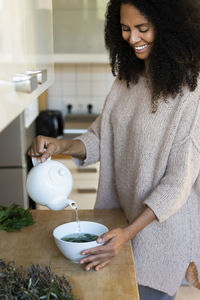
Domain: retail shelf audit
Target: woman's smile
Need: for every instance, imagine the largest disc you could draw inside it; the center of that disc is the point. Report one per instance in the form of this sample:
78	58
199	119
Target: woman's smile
141	49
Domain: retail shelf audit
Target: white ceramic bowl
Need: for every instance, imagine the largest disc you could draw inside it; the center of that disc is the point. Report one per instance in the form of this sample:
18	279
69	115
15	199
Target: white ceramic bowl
72	250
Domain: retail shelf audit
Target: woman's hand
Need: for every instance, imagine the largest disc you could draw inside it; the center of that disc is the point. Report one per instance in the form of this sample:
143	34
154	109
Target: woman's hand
44	147
101	255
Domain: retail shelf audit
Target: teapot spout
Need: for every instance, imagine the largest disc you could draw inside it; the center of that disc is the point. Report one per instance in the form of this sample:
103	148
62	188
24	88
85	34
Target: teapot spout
72	203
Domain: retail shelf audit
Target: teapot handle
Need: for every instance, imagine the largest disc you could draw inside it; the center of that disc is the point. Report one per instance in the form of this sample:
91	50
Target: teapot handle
36	160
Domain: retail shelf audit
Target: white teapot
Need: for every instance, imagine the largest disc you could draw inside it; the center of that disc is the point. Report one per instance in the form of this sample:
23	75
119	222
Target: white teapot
50	183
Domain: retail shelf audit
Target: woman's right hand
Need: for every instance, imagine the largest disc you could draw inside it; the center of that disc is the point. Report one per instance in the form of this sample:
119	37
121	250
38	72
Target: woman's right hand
44	147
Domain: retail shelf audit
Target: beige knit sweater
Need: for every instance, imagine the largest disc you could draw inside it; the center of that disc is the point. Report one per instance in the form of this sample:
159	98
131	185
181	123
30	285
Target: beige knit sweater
152	159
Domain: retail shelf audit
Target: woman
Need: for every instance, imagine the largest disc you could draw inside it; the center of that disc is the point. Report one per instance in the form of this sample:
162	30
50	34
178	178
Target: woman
147	140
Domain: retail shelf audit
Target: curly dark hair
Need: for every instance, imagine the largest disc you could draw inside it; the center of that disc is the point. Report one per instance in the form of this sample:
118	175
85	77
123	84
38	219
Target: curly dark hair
175	57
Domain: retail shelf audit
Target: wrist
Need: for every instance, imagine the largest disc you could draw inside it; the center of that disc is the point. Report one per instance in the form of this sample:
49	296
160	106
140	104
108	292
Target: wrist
64	146
143	220
74	148
128	233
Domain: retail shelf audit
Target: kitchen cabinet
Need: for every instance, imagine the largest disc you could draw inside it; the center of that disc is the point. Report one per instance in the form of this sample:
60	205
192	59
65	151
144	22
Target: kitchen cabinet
15	141
85	183
79	31
26	45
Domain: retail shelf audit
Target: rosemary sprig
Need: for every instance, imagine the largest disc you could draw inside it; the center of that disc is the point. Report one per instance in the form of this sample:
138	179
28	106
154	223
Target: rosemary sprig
32	284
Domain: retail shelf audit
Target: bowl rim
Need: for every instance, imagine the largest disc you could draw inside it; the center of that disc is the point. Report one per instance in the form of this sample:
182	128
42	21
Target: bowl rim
74	243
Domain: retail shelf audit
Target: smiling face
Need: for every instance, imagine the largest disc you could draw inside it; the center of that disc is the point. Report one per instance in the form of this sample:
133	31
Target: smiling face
137	31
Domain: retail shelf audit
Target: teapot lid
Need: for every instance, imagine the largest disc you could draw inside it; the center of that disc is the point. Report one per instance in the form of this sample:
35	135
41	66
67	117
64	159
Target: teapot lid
60	175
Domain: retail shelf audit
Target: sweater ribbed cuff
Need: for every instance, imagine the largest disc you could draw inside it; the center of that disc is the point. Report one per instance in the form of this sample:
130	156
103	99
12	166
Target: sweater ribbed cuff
154	207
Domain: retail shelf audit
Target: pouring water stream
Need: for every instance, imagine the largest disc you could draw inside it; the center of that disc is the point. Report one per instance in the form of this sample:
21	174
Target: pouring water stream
74	207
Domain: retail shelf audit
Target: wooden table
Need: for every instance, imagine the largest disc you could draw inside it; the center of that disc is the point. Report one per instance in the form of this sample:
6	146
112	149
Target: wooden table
35	245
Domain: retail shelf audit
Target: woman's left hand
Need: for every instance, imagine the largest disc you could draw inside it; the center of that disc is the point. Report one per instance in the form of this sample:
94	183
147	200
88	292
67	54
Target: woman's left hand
101	255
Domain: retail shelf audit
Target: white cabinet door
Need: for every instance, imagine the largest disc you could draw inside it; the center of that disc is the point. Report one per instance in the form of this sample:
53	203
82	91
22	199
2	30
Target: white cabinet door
79	26
26	44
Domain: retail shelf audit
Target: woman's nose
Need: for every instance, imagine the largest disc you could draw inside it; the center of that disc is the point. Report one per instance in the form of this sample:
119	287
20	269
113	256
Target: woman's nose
134	37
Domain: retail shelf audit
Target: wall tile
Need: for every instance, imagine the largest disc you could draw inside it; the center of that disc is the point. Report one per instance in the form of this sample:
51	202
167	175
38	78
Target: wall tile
68	72
99	88
83	88
54	103
69	88
80	85
83	72
98	72
55	89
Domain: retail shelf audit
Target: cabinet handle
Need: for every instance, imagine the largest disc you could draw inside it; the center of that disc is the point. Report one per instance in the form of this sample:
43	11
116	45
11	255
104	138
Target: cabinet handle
87	190
25	83
87	170
41	75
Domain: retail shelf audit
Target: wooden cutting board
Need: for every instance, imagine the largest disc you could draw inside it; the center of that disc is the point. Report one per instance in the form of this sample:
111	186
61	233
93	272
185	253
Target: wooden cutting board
35	245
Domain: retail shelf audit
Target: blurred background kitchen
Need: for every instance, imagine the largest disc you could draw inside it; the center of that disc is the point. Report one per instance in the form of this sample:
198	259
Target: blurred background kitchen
54	79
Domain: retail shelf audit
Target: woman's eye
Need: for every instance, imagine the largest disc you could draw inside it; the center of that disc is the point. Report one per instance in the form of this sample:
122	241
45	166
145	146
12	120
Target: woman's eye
125	29
143	31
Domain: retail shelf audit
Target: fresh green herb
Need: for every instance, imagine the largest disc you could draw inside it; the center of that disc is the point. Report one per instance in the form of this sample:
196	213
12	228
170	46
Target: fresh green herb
32	284
14	218
80	238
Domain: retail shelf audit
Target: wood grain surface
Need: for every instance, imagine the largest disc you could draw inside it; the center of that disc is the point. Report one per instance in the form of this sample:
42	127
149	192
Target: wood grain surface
35	245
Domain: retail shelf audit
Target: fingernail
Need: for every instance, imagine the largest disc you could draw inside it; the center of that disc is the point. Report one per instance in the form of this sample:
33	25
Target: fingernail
43	159
99	240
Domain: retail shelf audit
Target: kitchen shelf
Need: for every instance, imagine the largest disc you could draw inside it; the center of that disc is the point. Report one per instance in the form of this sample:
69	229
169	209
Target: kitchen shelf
81	58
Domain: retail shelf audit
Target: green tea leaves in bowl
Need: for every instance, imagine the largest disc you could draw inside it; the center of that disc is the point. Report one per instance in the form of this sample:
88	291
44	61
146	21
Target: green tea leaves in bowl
80	238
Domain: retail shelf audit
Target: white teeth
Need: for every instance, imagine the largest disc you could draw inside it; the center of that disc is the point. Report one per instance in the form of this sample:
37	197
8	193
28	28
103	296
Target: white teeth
141	48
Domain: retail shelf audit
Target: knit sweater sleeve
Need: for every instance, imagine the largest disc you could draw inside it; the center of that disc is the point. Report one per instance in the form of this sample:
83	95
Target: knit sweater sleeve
182	169
91	140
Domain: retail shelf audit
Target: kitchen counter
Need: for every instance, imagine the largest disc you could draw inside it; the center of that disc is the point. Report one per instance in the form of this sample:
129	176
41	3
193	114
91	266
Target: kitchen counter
35	245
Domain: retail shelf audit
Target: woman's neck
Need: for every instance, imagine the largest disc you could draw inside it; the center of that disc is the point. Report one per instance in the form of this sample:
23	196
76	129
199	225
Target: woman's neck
146	69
